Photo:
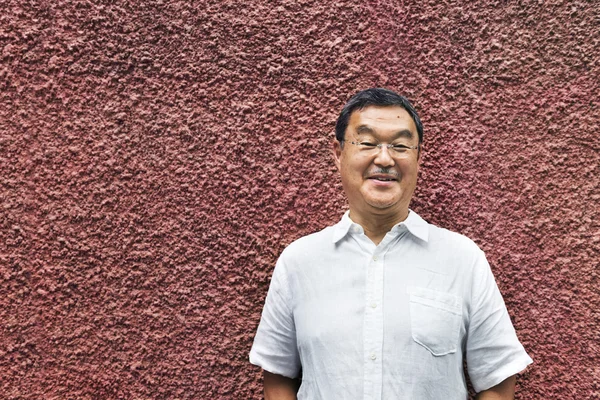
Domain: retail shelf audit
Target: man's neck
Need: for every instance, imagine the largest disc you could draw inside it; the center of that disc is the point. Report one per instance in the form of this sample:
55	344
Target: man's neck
376	226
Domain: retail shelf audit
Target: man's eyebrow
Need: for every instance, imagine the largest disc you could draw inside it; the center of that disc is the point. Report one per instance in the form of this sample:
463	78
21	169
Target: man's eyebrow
405	133
364	129
367	130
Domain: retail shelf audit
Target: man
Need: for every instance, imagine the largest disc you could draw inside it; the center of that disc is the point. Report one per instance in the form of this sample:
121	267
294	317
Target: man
384	305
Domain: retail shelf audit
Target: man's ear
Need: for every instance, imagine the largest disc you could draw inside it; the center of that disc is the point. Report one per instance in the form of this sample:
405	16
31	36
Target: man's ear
337	152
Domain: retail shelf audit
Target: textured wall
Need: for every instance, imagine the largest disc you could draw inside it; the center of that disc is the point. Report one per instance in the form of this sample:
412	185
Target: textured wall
155	158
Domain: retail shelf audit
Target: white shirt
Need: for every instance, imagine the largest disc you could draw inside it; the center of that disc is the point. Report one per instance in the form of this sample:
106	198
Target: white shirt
392	321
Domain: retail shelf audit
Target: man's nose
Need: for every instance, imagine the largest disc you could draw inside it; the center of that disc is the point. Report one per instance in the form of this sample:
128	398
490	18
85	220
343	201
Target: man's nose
384	158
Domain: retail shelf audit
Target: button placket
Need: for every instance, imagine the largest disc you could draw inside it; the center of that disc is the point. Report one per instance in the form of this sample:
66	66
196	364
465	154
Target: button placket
373	344
370	333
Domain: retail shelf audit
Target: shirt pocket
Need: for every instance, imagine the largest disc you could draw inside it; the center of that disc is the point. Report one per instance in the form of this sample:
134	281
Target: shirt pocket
435	319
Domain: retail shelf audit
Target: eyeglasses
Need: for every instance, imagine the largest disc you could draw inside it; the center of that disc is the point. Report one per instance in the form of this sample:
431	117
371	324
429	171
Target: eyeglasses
396	150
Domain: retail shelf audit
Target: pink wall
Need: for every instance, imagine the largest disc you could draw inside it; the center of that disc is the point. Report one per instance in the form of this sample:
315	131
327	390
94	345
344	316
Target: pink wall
155	158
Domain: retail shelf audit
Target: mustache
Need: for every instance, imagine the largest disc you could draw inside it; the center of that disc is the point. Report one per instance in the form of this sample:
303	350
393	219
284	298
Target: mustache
383	171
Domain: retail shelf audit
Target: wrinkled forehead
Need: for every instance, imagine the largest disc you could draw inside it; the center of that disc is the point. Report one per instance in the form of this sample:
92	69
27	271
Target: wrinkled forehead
383	121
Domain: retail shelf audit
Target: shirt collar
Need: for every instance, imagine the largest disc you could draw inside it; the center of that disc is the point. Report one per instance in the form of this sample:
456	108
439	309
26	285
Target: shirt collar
416	225
341	228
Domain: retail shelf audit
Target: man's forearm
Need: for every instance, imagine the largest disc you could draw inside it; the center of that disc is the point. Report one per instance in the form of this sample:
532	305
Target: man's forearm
505	390
277	387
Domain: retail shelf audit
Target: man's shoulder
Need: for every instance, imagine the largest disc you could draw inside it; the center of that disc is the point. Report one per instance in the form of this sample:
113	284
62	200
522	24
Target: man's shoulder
439	236
313	241
453	253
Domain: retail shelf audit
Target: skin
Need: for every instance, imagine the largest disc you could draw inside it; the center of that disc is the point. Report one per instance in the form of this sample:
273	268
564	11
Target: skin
277	387
377	205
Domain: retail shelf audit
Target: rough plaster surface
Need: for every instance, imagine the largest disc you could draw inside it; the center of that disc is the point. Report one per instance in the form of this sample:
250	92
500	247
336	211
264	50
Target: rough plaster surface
155	158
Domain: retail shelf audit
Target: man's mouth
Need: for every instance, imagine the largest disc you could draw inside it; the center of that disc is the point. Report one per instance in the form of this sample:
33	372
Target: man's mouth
383	178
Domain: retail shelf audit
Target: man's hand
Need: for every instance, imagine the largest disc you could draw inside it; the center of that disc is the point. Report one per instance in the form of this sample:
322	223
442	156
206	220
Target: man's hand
279	387
505	390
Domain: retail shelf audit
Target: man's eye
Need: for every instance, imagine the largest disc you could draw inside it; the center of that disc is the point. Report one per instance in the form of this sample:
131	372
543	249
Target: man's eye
400	148
368	145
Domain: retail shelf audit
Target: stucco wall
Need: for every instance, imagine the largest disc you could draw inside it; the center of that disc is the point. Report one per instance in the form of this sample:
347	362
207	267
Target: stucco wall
155	158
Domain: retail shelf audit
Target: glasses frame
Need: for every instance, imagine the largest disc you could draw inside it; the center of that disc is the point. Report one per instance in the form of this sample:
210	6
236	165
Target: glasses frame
389	146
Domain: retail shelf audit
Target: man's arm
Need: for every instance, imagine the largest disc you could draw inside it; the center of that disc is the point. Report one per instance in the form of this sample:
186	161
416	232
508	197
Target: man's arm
505	390
277	387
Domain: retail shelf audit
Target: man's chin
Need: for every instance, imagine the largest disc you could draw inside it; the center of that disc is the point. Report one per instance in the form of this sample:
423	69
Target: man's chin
382	204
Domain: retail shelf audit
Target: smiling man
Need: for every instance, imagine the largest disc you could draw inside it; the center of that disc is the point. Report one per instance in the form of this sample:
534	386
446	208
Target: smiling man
383	305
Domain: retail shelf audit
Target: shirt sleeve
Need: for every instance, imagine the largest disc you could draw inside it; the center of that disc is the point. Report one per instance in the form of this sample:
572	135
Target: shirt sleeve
275	348
494	352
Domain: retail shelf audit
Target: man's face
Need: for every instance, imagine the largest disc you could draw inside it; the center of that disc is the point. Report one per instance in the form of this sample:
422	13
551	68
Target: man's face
379	181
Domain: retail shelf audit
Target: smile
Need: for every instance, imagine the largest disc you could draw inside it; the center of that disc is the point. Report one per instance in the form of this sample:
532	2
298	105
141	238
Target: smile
383	178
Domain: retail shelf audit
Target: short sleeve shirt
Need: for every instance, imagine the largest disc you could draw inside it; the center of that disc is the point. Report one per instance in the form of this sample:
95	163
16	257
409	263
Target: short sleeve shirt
395	320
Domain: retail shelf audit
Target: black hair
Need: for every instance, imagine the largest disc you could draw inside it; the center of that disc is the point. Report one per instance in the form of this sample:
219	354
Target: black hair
375	97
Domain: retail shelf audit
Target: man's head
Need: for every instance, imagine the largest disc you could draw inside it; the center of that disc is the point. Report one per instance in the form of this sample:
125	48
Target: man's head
377	151
375	97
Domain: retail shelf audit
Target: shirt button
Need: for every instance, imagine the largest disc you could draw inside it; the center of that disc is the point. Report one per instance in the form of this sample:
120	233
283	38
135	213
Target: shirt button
375	258
373	356
373	305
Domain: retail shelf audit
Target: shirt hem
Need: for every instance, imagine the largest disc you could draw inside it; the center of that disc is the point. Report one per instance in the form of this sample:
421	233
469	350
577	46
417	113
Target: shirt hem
265	365
503	373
